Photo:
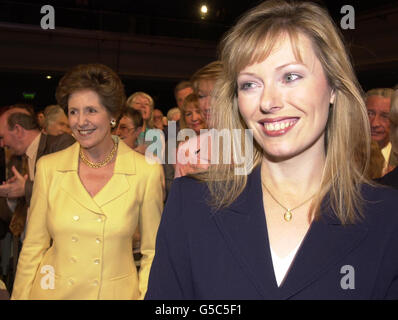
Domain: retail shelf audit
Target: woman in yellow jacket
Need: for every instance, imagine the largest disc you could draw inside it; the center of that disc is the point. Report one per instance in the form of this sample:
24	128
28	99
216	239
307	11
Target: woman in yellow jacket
87	202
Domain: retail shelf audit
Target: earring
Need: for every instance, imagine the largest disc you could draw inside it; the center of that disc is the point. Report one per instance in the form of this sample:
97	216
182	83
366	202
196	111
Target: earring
113	123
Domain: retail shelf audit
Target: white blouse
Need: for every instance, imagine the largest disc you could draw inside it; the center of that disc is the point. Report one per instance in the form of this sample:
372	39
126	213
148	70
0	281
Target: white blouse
282	265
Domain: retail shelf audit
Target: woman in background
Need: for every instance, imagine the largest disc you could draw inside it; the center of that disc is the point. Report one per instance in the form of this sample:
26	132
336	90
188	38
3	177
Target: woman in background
198	148
144	103
87	202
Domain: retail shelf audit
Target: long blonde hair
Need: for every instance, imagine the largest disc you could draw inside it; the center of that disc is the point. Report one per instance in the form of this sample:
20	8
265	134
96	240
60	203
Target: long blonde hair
347	135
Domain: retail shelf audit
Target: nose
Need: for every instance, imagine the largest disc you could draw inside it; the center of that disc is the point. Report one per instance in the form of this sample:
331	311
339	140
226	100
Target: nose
82	119
196	116
270	99
375	120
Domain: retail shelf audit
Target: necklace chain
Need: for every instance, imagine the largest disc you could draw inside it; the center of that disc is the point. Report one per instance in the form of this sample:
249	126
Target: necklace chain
102	163
288	215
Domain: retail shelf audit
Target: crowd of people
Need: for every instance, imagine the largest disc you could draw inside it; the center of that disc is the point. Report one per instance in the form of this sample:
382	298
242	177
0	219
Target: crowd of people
102	199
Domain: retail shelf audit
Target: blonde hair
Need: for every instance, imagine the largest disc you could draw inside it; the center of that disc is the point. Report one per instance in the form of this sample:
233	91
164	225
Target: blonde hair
130	100
211	72
191	99
347	134
383	92
172	112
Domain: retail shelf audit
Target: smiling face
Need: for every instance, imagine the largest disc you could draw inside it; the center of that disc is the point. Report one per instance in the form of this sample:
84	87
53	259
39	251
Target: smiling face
89	120
286	101
193	118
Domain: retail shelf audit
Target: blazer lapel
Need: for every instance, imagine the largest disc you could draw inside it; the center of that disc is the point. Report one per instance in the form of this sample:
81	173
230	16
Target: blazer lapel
244	229
115	187
326	242
118	184
71	183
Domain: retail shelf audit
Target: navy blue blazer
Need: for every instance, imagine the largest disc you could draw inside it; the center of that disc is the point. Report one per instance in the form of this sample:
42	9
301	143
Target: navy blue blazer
201	254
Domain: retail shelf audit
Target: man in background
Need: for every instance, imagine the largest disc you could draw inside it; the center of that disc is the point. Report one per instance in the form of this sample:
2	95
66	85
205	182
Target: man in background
378	104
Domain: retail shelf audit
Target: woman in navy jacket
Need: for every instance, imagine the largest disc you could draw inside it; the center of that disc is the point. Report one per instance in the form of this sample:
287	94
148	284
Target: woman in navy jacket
295	218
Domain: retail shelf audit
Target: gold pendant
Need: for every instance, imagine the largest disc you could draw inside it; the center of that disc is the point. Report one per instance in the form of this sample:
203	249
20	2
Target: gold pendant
287	216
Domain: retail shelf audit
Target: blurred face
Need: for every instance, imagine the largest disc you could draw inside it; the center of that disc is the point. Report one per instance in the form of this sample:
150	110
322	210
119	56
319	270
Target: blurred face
8	138
157	118
181	95
378	112
40	119
193	118
127	132
176	116
142	105
285	101
12	139
89	120
205	88
59	126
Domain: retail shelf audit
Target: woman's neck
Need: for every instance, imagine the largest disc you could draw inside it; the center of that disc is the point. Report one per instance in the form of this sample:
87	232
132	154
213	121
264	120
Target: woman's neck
298	176
101	151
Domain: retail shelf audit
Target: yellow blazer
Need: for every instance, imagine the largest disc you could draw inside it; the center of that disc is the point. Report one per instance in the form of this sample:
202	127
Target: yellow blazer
80	247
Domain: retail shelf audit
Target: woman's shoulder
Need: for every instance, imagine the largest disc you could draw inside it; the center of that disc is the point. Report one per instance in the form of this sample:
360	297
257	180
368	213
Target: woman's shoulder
189	191
381	205
58	158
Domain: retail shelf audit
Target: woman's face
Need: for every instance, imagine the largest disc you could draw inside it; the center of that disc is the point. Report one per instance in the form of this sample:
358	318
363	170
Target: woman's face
127	132
88	119
193	118
205	88
285	101
142	105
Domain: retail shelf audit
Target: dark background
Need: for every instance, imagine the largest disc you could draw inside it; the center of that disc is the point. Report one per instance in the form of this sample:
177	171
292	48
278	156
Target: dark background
172	19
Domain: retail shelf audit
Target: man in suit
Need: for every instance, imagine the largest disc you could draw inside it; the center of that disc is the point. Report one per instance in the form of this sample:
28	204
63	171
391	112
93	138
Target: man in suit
20	135
378	103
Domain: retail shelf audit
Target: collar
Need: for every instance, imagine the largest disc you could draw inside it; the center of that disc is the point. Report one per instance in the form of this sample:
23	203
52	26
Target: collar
31	151
386	151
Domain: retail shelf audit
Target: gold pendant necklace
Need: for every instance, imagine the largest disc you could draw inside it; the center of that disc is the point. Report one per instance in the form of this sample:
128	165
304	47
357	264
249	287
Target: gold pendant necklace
98	164
288	215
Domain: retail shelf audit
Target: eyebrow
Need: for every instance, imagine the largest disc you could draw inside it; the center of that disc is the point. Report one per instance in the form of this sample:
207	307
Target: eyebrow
277	68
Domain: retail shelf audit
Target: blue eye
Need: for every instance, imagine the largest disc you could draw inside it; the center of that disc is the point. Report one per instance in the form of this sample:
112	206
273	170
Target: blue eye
247	86
291	77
